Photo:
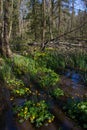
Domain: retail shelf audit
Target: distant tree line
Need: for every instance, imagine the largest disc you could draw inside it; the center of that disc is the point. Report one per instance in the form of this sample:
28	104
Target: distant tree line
40	20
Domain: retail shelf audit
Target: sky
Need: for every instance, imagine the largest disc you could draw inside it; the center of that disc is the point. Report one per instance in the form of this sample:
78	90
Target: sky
79	5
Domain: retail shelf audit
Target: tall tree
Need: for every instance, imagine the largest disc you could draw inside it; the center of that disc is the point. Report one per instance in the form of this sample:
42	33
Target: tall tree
59	15
73	13
51	18
6	19
1	24
15	18
44	21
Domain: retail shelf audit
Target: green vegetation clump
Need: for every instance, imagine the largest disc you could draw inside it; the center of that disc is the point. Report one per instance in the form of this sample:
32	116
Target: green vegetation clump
15	83
57	92
54	60
37	113
23	65
78	60
20	65
46	77
43	76
82	106
50	59
78	111
5	72
21	91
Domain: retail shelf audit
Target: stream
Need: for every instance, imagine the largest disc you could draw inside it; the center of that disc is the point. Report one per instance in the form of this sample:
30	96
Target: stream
71	83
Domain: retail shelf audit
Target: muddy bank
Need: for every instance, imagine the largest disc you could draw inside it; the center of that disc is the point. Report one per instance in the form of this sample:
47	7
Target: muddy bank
28	126
3	100
6	115
66	123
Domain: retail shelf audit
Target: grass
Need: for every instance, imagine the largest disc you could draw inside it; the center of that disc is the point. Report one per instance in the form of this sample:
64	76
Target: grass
53	59
5	72
44	77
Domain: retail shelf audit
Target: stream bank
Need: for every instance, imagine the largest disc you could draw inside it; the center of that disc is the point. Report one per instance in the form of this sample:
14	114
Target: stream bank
73	88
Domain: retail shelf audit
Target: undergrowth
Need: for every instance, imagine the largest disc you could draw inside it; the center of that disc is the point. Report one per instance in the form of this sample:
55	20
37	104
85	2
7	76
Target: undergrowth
43	76
37	113
78	111
53	59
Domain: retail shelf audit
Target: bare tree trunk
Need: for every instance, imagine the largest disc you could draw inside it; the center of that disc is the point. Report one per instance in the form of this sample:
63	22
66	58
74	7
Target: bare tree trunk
50	19
6	47
19	24
72	15
1	25
34	16
59	14
10	28
44	22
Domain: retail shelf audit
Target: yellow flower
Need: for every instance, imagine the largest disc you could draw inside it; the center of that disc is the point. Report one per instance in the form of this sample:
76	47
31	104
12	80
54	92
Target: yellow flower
27	89
25	112
33	117
52	118
26	109
49	120
17	91
11	98
38	104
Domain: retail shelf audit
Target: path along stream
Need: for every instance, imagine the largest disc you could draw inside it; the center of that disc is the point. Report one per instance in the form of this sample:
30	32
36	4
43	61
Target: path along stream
72	85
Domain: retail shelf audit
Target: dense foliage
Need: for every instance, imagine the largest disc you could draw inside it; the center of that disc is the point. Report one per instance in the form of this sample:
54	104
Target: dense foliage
78	111
54	59
57	92
37	113
45	77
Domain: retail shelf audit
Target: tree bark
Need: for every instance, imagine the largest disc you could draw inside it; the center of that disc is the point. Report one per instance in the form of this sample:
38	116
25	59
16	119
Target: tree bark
59	16
72	15
6	48
11	21
1	25
50	19
44	22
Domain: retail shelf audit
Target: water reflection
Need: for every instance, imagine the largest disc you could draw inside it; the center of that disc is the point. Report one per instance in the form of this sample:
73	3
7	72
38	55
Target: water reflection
10	124
7	122
74	76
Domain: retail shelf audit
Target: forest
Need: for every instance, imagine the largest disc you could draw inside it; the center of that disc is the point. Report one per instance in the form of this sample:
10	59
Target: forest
43	64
